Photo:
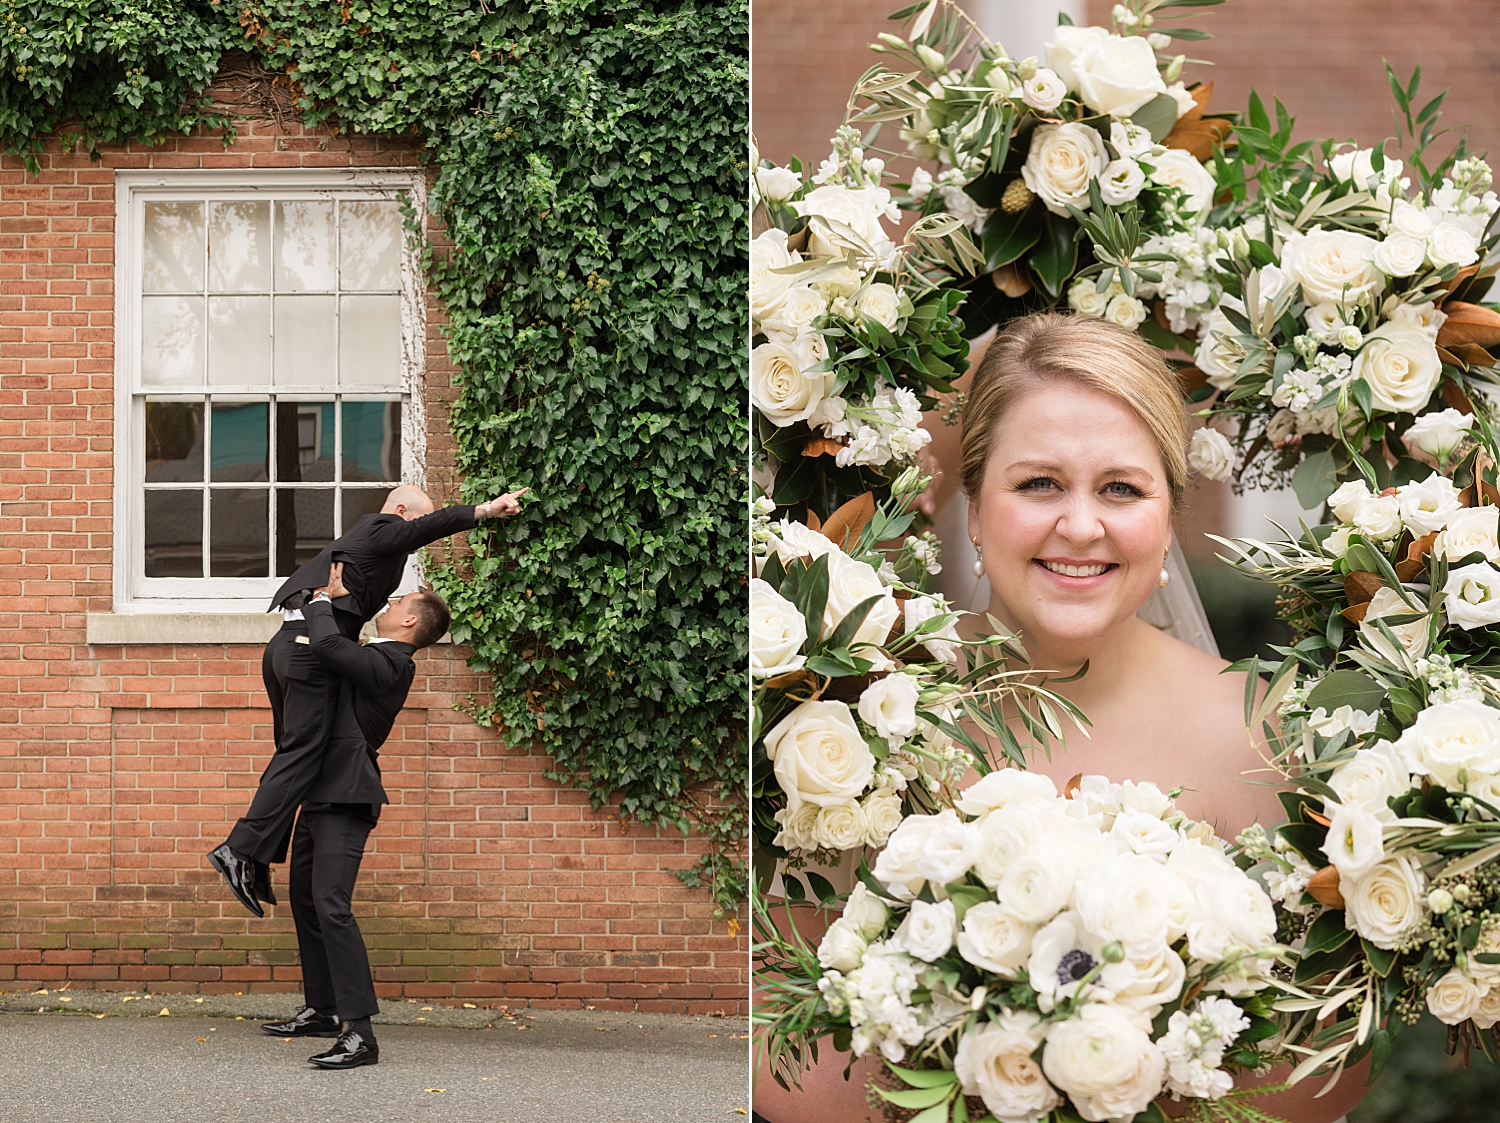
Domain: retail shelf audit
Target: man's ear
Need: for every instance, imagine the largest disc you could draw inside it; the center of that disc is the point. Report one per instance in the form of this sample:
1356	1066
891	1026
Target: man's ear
410	620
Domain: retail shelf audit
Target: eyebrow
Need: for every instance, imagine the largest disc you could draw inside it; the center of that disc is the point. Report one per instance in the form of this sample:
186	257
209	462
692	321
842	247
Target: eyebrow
1048	466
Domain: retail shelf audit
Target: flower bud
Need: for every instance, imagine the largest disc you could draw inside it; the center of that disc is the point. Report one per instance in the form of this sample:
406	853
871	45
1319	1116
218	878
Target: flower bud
1158	41
1221	236
1112	952
1174	68
932	61
1350	337
892	40
909	482
976	1000
1026	71
997	79
1440	900
1461	893
1241	248
874	165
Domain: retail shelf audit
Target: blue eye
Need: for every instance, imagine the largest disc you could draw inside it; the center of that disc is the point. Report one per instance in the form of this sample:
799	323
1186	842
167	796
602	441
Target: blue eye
1038	483
1121	490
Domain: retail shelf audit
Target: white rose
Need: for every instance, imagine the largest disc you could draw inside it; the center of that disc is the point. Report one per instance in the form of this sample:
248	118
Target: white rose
842	947
1454	998
1146	797
994	1062
865	911
780	389
927	932
1145	834
1179	168
1121	180
1451	244
1179	93
897	863
819	755
1126	311
1400	256
1427	506
1385	903
1130	140
1452	740
1409	219
777	632
1438	434
1413	636
949	850
1473	530
1002	787
851	583
1063	159
1333	266
1117	75
993	940
799	308
1213	357
1068	43
1211	454
1154	982
1084	297
860	209
880	302
1105	1062
767	289
798	827
841	827
1347	499
1044	92
883	814
1134	900
1472	596
1369	780
1004	836
1355	842
943	643
1489	1008
778	184
1401	365
889	705
1378	517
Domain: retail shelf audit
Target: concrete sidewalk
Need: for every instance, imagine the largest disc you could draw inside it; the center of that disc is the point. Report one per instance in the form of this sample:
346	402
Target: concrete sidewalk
198	1064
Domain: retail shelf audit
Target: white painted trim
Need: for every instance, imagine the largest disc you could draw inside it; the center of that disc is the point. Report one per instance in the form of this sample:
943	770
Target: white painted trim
127	628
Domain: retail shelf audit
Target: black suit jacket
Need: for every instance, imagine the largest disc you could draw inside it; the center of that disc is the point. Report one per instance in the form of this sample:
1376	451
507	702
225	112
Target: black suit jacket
374	553
373	681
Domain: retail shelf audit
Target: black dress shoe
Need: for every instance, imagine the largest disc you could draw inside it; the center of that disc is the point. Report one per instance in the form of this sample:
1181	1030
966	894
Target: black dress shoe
240	874
307	1023
350	1051
263	888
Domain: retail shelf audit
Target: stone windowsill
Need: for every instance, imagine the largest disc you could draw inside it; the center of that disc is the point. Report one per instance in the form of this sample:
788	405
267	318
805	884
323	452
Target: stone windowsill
188	627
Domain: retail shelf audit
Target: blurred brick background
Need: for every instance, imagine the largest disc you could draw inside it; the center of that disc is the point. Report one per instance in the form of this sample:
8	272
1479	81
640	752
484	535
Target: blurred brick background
121	766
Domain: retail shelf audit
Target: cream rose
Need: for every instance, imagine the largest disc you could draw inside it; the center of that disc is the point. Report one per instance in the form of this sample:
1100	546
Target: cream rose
1347	499
1063	159
889	706
994	1062
1438	434
883	814
841	827
1413	636
1214	357
1488	1012
880	302
1178	168
1427	506
1451	244
1068	44
948	851
1084	296
993	940
777	632
778	184
928	930
798	827
1378	517
1117	74
1473	530
1400	256
1126	311
1370	779
1454	998
865	911
819	755
1154	982
860	209
1004	836
842	947
1333	266
1401	366
851	583
1472	596
780	389
1210	454
1451	741
801	305
1105	1062
1385	903
768	288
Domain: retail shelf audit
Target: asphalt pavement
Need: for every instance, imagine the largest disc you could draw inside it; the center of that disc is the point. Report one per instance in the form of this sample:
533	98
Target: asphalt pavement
97	1058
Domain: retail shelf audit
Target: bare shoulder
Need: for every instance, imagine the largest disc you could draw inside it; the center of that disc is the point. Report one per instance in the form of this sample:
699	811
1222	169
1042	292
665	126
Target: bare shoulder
1209	696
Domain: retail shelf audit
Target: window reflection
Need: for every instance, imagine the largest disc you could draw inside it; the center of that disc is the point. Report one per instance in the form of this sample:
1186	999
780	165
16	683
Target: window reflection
239	533
241	444
174	533
372	441
174	442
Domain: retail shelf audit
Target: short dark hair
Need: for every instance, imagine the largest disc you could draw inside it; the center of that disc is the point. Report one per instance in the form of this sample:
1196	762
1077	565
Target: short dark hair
433	618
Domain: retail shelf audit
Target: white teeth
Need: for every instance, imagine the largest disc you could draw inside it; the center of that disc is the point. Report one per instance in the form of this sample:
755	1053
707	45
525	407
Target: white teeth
1076	570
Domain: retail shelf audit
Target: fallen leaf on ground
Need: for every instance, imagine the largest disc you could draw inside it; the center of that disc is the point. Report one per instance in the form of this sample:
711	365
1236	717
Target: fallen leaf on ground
470	1006
238	1018
434	1089
131	998
202	1039
598	1029
39	992
164	1013
421	1019
96	1015
65	998
427	1008
197	1000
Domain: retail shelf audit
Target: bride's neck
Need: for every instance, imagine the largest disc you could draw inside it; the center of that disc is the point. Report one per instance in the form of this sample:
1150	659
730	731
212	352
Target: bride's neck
1109	656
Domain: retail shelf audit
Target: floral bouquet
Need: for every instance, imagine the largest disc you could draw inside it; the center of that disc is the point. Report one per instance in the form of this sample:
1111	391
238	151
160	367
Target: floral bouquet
858	691
1055	957
1348	312
1389	735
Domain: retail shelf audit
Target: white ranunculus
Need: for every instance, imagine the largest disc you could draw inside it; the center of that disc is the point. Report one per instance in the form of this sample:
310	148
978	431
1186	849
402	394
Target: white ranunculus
1454	998
1117	74
865	911
859	208
949	851
1355	841
880	302
1370	779
1400	256
883	814
1347	499
1036	886
841	827
1141	833
928	930
819	755
994	1062
1105	1062
1378	517
1044	91
1068	43
1179	168
1474	530
842	947
851	583
1438	434
1451	741
1004	835
943	643
1126	311
1472	596
1451	244
993	940
889	706
1061	162
1427	506
1401	365
1385	903
767	288
1005	786
1153	983
1413	636
897	863
781	391
1121	180
1332	266
1211	454
1133	899
777	632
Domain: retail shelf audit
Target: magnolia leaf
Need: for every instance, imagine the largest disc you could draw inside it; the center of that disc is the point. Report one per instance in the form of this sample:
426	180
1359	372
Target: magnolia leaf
1347	688
1157	116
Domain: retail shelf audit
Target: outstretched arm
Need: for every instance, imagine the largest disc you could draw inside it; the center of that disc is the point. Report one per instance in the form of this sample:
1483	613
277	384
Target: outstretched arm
404	536
364	667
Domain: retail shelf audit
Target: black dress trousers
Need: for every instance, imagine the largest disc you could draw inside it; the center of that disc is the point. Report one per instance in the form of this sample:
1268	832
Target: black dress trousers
302	707
326	853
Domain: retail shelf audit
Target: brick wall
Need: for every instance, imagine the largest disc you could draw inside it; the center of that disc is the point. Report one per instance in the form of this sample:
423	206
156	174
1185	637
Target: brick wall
121	766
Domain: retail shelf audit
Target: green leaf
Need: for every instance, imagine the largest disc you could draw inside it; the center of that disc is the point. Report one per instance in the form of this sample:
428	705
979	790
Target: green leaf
1380	960
1152	1114
792	888
1347	688
822	888
843	635
1007	237
1315	479
917	1097
1056	255
925	1077
1328	932
1157	116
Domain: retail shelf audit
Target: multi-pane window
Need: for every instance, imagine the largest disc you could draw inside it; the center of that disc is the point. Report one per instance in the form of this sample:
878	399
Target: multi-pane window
268	369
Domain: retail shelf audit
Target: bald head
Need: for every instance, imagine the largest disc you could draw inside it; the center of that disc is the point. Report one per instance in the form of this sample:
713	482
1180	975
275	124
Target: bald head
407	501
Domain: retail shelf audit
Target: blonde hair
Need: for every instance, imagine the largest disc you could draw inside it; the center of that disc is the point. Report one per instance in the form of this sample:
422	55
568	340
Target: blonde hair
1092	351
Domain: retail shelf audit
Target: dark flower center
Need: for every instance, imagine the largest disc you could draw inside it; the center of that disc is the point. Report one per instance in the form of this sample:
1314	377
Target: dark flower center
1074	966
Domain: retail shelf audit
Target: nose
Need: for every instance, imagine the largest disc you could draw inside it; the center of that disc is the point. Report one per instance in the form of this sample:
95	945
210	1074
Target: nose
1079	520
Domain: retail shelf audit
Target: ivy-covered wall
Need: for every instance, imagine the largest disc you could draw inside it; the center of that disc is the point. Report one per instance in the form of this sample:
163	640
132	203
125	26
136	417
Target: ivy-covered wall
589	163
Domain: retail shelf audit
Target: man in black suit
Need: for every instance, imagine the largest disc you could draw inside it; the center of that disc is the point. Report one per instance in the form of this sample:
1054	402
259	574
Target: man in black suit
341	808
372	556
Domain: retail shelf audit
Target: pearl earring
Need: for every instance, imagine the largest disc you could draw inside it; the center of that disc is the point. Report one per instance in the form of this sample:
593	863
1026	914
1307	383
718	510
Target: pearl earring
978	567
1164	578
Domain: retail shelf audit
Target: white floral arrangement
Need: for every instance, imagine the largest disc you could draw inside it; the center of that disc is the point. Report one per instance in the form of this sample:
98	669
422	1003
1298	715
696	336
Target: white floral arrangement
1093	950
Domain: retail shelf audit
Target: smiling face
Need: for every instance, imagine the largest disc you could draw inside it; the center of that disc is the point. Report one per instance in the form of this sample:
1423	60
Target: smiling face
398	617
1074	515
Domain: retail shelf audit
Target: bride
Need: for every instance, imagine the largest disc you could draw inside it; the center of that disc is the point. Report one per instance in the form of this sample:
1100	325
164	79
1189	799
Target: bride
1073	459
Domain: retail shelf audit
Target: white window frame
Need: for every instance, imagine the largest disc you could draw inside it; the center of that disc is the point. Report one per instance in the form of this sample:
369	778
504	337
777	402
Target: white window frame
133	592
